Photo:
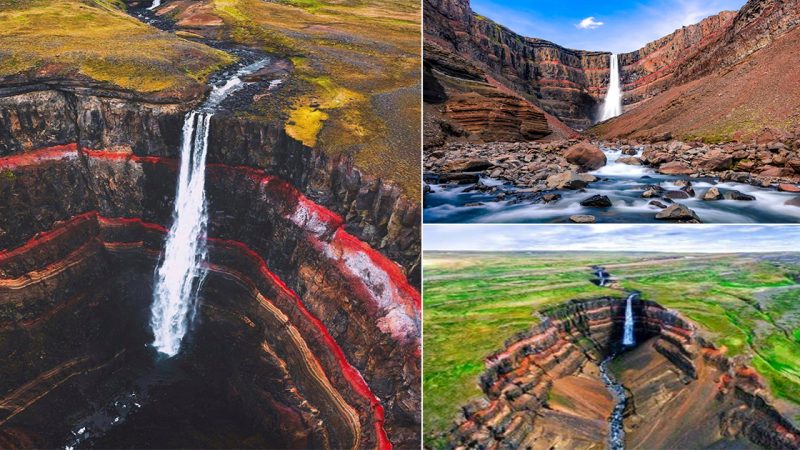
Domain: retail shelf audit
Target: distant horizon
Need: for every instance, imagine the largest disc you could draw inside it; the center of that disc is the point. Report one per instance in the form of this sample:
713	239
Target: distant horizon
606	27
655	238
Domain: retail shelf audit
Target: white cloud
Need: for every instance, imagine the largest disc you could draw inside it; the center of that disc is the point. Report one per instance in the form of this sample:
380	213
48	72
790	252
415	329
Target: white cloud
589	23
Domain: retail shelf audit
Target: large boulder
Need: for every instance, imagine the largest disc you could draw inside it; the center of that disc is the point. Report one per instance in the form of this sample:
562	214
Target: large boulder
717	160
582	218
712	194
787	187
678	213
569	180
597	201
736	195
586	156
675	168
468	165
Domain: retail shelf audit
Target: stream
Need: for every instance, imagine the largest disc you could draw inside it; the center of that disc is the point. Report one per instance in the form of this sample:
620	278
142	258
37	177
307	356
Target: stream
497	201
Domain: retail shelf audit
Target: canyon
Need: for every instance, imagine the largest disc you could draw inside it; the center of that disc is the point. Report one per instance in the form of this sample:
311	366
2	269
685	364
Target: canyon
549	376
307	332
662	80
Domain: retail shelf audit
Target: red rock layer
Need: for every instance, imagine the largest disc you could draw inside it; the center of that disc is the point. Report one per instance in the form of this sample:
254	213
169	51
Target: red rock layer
305	240
525	382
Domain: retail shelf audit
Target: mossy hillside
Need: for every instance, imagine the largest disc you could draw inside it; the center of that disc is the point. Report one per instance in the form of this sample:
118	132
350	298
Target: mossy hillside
473	302
354	63
98	40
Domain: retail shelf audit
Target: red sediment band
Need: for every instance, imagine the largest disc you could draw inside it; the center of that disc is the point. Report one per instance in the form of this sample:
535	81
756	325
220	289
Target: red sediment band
47	236
351	374
346	240
38	156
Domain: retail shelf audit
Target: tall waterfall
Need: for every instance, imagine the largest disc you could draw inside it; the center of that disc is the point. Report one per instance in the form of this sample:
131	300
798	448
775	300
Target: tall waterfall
181	270
627	337
156	4
612	105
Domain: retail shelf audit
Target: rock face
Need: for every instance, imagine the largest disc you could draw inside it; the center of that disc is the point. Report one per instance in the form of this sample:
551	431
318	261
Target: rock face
565	83
309	269
696	82
538	388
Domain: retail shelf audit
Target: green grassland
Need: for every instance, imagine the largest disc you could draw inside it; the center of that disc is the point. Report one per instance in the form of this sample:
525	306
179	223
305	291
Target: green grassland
96	39
475	301
356	75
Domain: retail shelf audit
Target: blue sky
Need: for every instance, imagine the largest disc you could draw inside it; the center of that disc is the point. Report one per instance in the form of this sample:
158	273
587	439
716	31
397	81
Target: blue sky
616	26
651	238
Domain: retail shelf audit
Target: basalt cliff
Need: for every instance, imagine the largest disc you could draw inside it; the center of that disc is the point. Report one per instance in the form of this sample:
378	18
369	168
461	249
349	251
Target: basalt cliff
543	390
725	78
309	317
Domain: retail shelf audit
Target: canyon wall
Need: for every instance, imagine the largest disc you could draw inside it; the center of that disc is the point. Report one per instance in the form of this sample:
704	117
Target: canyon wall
315	261
543	389
568	84
571	84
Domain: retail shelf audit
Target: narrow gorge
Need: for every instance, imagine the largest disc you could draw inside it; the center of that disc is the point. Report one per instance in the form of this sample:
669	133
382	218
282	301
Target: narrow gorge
190	221
618	372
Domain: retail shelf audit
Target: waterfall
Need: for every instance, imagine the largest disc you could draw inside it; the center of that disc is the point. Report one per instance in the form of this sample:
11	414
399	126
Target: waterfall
627	338
156	4
181	272
612	105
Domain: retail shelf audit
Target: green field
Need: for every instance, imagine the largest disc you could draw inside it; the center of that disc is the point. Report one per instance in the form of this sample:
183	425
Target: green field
475	301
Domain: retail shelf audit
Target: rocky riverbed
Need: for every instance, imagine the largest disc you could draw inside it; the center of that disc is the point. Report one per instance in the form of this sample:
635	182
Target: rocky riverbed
582	181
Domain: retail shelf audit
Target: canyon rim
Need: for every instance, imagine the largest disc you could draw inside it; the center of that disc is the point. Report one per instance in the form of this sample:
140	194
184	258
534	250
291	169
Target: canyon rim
210	224
700	125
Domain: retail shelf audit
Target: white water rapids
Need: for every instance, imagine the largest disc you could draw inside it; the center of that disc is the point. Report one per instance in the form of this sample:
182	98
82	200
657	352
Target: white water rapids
612	105
156	4
627	337
181	272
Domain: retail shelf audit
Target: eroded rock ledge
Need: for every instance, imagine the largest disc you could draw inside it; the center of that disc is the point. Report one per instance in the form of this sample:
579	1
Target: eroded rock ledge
542	390
377	211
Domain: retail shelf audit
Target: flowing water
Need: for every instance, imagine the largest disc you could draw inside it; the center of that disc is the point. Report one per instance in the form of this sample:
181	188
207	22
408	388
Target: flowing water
627	338
622	183
156	4
612	105
180	271
616	435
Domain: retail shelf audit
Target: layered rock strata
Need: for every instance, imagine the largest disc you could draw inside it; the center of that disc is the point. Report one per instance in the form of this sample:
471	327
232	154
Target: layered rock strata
534	385
340	311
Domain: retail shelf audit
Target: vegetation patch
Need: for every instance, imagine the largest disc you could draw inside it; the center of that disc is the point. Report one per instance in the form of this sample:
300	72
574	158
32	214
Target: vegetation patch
97	39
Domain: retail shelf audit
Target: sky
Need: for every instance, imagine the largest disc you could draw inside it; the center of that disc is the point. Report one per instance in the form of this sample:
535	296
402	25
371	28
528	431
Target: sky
617	26
609	237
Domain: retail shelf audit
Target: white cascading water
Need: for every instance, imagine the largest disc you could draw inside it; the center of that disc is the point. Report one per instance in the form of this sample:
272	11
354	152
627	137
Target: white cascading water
181	270
612	105
156	4
627	337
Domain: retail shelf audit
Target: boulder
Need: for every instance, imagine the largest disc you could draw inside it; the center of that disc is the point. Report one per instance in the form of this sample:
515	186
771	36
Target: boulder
678	213
570	180
712	194
629	151
551	198
630	160
793	202
586	156
717	160
657	204
597	201
787	187
582	218
468	165
736	195
771	171
675	168
676	195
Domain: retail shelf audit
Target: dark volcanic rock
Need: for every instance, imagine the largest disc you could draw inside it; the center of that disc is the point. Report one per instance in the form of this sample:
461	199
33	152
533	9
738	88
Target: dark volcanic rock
597	201
678	213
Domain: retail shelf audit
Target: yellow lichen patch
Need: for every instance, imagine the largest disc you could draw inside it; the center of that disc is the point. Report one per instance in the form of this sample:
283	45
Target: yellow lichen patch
305	123
96	38
351	61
